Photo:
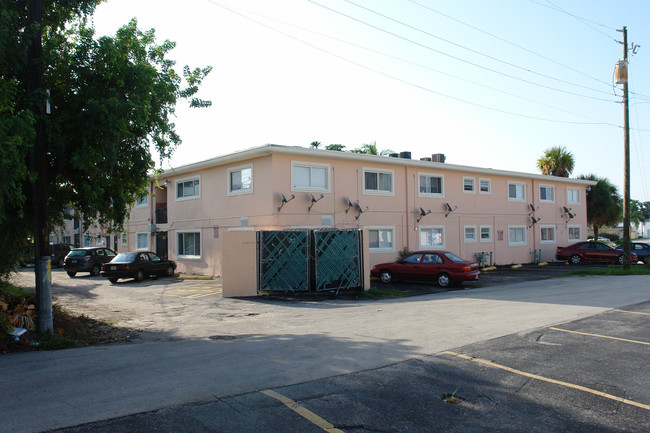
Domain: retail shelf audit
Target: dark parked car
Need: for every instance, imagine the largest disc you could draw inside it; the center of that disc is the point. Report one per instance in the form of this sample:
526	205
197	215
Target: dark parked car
591	251
89	259
443	267
139	266
58	253
641	250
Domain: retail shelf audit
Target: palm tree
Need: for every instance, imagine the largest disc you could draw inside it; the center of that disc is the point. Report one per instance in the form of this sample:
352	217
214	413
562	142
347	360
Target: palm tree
556	161
368	148
314	144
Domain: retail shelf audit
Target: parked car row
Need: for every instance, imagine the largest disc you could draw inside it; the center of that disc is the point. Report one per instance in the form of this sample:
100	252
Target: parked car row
109	264
597	252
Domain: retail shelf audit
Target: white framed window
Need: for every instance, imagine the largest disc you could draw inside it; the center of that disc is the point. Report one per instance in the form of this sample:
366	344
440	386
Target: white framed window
486	233
516	235
575	233
573	195
142	241
516	191
469	185
188	244
188	188
485	186
547	234
310	176
240	180
87	240
432	237
547	193
431	185
378	181
142	202
470	234
382	239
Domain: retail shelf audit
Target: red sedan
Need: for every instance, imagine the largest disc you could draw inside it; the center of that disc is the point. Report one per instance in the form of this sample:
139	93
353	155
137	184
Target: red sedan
591	251
441	266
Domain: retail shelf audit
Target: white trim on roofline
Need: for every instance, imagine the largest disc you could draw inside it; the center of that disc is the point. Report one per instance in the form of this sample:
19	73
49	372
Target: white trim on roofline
269	149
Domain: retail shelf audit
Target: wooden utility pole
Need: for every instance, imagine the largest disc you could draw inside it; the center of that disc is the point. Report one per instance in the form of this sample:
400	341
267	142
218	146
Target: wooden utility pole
626	162
39	165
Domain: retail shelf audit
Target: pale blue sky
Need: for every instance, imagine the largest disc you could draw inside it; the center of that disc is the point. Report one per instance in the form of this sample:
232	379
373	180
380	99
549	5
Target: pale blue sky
487	83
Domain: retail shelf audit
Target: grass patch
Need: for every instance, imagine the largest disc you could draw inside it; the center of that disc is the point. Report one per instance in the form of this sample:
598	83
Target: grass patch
614	270
10	289
375	293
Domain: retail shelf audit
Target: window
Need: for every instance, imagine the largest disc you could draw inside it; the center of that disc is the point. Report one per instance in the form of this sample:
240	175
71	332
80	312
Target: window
189	244
377	182
86	240
470	234
141	202
188	188
142	241
125	238
486	233
517	235
547	193
484	186
433	259
547	234
573	195
381	238
240	180
65	239
574	233
432	237
516	191
431	185
309	176
468	185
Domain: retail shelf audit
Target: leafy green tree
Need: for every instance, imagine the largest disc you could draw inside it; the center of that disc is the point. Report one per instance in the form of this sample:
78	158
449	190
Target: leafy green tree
604	204
112	101
337	147
367	148
556	161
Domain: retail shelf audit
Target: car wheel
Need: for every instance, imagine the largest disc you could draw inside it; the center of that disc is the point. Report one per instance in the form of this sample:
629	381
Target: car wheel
575	259
94	271
71	274
621	259
61	261
444	280
170	271
385	276
139	276
113	280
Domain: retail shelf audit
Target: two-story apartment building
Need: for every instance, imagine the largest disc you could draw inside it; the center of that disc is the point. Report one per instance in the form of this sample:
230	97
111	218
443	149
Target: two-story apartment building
513	217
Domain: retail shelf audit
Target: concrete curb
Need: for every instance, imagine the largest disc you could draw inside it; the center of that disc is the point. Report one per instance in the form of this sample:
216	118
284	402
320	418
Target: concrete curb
194	277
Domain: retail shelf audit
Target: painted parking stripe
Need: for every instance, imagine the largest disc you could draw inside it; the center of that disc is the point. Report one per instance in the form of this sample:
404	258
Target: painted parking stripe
630	312
305	413
549	380
600	336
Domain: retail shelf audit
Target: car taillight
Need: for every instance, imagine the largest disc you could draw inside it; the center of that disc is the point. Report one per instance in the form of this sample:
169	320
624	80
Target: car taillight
467	268
86	258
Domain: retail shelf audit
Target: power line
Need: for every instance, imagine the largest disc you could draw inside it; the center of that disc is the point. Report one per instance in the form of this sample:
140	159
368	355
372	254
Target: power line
496	59
509	42
381	53
584	21
408	82
469	62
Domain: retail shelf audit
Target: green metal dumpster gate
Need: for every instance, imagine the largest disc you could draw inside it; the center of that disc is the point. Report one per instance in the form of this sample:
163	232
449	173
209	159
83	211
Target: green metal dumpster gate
309	260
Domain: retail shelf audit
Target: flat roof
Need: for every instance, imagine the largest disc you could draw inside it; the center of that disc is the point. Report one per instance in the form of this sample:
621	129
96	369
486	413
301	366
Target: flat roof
270	149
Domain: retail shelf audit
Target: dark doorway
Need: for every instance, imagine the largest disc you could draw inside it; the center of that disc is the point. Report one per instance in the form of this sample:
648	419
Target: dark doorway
161	244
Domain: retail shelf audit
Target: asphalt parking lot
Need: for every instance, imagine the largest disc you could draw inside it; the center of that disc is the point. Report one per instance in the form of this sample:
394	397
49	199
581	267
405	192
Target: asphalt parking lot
588	375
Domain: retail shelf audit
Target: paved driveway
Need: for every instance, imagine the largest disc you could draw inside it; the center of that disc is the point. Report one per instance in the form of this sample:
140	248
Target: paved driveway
198	346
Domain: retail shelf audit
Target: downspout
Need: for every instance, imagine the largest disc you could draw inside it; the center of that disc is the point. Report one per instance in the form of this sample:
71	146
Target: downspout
334	191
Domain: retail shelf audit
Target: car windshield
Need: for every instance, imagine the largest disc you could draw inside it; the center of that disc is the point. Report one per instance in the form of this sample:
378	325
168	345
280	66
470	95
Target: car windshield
453	257
77	253
124	257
